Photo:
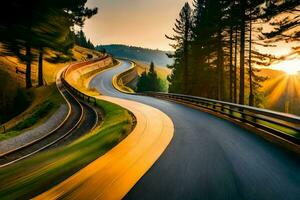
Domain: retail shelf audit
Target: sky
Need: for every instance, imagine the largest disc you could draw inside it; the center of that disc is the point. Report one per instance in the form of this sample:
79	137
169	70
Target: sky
144	23
133	22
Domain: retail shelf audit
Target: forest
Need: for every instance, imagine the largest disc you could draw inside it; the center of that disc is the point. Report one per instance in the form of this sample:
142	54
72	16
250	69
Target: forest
40	25
35	31
217	46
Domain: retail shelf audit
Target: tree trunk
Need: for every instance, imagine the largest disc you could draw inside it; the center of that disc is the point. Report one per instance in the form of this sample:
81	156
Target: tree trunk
235	65
186	71
231	66
242	53
251	95
186	57
220	67
28	67
40	69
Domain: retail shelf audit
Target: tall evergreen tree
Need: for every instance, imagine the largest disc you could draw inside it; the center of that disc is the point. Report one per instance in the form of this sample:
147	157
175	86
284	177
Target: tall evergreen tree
179	79
284	28
242	50
29	28
149	81
222	47
201	50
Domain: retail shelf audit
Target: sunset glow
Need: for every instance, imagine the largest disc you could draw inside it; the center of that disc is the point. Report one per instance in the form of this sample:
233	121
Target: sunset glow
150	99
117	22
290	67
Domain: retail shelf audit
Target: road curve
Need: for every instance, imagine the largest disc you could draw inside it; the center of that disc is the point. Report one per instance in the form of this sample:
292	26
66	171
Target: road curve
118	170
210	158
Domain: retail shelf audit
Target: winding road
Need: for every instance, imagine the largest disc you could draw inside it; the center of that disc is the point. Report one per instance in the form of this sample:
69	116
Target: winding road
210	158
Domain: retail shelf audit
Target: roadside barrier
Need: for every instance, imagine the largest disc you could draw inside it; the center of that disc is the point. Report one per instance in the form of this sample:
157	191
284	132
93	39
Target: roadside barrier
281	125
106	60
79	94
121	80
273	122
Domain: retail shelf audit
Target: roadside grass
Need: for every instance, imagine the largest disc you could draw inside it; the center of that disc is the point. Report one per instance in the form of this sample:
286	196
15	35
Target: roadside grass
39	173
46	101
32	115
271	125
10	95
41	112
280	128
283	129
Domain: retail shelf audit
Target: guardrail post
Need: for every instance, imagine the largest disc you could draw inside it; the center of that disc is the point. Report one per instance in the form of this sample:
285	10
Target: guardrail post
242	114
222	108
254	119
214	106
230	110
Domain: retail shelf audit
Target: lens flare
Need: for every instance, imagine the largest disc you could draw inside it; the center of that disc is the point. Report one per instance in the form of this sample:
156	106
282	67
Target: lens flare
290	67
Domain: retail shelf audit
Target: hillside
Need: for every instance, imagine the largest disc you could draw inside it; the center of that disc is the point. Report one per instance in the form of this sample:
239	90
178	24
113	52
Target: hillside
137	53
16	100
11	65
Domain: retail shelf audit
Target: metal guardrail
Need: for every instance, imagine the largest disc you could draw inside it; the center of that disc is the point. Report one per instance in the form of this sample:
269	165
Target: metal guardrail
267	120
126	77
121	80
282	125
84	63
79	94
73	90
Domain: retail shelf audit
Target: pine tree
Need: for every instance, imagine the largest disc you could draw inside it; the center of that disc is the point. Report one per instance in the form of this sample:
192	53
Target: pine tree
57	39
284	28
179	79
150	81
222	48
201	50
30	28
81	40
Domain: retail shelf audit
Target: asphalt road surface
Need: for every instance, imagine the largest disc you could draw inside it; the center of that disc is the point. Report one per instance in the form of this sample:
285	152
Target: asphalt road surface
210	158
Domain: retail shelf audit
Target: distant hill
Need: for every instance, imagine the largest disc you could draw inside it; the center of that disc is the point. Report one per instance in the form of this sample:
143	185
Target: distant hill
137	53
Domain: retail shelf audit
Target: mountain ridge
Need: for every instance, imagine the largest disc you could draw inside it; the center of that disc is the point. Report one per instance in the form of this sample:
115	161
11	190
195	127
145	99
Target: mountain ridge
159	57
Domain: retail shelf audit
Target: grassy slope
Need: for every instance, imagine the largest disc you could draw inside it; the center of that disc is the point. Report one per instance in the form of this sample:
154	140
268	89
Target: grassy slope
34	115
46	102
36	174
9	95
10	64
49	168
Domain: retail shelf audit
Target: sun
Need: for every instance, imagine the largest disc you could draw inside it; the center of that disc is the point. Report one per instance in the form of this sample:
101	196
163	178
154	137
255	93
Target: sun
290	70
290	67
